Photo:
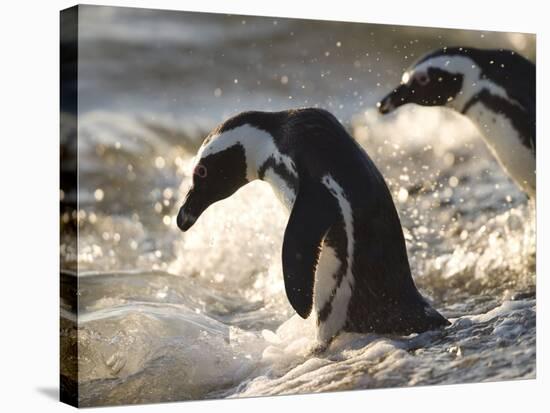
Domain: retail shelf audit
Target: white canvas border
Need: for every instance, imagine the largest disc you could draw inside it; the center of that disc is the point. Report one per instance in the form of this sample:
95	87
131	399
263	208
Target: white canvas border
29	343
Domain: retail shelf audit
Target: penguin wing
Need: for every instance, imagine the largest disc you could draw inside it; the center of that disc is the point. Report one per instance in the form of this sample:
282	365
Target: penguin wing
313	213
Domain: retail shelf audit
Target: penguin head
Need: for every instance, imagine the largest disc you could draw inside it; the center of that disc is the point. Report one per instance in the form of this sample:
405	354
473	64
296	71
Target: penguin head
220	169
435	80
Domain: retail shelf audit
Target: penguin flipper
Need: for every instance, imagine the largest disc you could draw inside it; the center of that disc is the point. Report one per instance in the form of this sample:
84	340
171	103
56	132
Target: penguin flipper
313	213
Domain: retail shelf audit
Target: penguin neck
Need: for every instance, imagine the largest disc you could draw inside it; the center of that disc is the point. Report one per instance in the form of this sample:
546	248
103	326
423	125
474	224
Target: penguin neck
470	103
473	84
266	161
492	126
280	172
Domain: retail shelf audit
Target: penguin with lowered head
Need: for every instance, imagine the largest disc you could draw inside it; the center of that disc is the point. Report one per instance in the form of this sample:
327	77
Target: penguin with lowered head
344	255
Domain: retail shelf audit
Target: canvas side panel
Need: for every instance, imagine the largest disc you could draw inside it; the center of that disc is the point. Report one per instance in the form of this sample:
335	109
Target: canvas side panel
68	205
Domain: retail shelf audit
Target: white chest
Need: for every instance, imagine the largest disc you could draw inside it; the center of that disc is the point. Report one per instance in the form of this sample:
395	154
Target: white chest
505	143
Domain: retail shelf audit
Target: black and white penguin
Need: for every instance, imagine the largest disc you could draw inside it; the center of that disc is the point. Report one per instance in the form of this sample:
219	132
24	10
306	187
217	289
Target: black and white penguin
494	88
344	255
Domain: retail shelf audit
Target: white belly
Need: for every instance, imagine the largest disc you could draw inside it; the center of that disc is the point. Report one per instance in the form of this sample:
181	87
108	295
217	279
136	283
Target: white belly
325	277
328	264
505	143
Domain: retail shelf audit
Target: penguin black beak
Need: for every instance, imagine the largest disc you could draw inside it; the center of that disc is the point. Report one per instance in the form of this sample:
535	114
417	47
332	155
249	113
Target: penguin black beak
385	105
185	220
393	100
190	211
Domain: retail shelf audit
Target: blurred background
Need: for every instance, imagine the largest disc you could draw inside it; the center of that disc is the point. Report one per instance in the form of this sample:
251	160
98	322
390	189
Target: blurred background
171	316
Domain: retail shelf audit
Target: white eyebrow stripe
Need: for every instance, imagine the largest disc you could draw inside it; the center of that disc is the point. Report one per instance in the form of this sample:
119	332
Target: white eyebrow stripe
471	71
460	64
258	144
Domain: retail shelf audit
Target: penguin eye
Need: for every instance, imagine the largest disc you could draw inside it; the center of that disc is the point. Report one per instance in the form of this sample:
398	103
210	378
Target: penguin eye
422	78
200	171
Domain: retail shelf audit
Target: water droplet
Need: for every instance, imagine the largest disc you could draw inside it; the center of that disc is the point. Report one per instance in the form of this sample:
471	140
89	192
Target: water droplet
160	162
453	181
167	193
403	195
99	194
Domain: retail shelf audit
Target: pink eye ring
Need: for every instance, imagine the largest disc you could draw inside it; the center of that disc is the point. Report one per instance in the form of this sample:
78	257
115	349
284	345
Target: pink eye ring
200	171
